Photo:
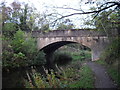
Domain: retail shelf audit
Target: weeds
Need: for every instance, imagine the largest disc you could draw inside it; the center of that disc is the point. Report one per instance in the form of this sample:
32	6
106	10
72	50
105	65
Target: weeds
68	77
86	79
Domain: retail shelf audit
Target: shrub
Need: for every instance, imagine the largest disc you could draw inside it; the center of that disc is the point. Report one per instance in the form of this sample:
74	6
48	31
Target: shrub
39	59
111	54
19	51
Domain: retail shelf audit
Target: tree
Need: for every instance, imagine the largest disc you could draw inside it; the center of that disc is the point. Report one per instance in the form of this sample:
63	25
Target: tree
106	21
5	13
19	51
23	20
21	16
67	24
62	26
101	6
45	28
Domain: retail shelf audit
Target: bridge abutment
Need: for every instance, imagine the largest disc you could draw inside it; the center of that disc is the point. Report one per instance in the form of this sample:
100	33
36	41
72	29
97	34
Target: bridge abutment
99	47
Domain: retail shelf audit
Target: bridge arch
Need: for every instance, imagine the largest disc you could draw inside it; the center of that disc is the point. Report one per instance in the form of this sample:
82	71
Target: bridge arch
97	41
50	48
55	45
44	42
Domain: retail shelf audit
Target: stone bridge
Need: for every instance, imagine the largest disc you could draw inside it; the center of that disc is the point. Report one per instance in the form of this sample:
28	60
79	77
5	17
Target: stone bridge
52	40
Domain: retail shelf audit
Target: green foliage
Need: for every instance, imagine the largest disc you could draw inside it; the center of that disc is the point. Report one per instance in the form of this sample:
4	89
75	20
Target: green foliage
9	27
112	54
19	59
66	24
106	21
102	62
41	82
63	26
24	43
115	74
20	51
39	59
18	41
45	28
82	55
68	75
86	79
77	56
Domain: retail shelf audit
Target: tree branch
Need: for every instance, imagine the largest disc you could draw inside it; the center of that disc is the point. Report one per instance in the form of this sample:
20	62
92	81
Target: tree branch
116	3
68	8
96	11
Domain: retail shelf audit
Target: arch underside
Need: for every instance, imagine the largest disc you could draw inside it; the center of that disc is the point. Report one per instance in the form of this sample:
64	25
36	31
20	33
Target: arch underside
56	42
54	46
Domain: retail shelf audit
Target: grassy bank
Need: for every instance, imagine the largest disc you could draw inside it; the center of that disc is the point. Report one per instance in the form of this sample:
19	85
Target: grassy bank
72	76
86	79
78	56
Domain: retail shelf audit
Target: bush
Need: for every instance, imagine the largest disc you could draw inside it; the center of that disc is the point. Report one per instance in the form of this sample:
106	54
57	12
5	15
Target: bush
18	41
19	51
39	59
111	54
25	44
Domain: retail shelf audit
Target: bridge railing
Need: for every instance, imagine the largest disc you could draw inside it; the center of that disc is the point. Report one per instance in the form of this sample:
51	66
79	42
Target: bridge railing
74	33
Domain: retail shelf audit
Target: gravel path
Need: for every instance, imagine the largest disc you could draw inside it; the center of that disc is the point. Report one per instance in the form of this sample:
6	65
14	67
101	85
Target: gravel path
102	79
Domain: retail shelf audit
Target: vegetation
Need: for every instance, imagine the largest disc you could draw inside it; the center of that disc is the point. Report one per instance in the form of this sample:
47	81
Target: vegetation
69	78
112	70
112	54
20	51
86	79
24	66
67	24
110	59
82	55
76	56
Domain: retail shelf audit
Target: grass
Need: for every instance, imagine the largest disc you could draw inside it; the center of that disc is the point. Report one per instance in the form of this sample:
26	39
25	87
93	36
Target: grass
72	77
81	55
101	62
86	79
75	58
115	75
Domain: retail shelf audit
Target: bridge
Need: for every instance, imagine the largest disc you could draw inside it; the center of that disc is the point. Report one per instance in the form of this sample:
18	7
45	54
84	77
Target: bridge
50	41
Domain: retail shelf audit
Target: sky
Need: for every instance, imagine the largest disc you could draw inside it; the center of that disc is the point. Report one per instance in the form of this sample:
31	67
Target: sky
42	6
46	5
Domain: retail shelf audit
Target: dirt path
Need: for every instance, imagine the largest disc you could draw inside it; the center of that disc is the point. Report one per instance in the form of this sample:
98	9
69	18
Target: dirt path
102	80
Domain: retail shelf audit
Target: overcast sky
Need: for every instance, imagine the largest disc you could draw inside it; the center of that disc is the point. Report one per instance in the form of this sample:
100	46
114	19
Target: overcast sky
41	7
